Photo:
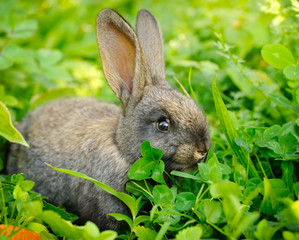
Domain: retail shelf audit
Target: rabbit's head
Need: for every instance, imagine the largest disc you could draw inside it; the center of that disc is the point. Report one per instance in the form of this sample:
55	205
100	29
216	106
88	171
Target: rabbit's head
152	109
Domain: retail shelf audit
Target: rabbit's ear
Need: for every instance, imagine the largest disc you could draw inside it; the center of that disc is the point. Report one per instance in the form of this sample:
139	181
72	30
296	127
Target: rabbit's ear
151	40
123	61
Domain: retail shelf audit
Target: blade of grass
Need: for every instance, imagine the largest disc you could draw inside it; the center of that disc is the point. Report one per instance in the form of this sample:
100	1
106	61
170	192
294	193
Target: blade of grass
163	230
230	132
182	87
190	86
125	198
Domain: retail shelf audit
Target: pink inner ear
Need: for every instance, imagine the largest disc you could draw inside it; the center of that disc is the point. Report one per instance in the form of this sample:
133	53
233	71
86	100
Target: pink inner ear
122	54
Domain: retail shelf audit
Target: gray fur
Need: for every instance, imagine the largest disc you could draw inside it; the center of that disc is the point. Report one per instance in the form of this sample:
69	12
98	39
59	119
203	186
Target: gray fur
99	139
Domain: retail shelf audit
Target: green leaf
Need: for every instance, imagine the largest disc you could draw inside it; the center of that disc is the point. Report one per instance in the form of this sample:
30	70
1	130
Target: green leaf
20	194
288	128
7	130
242	143
148	166
125	198
230	131
146	149
162	194
203	172
273	145
215	173
17	178
190	233
279	188
280	100
212	210
242	82
24	29
58	73
287	235
224	189
122	217
291	72
48	58
145	233
90	231
64	214
158	171
247	221
34	208
27	185
107	235
60	226
270	201
291	214
225	169
36	227
141	169
185	201
288	143
5	63
277	55
287	174
9	101
266	232
140	219
149	152
250	193
271	132
240	174
15	53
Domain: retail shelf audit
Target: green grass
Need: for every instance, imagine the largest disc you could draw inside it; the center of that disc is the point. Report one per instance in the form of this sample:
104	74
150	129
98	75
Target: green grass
237	59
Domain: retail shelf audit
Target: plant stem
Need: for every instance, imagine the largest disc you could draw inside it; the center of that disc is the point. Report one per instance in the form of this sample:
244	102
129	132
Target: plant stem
208	188
3	206
261	165
199	194
174	213
131	235
12	212
219	230
148	190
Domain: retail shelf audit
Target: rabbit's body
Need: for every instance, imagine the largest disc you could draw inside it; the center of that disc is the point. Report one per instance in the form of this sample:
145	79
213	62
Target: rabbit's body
77	134
102	141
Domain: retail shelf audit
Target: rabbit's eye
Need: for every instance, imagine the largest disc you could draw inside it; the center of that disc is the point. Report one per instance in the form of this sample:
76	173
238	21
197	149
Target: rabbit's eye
163	125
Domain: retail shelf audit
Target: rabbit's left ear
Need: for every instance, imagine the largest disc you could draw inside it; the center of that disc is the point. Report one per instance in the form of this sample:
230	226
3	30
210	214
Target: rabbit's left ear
151	40
122	57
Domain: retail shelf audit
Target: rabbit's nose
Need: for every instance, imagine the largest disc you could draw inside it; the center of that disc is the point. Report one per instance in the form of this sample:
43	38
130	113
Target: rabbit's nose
200	155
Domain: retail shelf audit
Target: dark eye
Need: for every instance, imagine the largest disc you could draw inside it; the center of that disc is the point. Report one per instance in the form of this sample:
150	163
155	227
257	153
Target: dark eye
163	125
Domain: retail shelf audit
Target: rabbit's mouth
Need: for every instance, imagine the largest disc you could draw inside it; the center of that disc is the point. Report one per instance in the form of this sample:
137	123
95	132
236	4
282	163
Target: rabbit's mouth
188	155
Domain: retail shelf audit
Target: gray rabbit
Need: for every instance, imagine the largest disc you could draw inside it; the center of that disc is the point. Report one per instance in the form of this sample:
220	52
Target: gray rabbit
103	141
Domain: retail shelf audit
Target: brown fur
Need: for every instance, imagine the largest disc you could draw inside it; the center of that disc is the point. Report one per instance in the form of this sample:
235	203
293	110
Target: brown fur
102	141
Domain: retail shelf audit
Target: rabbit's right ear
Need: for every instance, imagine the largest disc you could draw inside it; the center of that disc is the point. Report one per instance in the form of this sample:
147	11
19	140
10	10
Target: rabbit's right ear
151	40
122	57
